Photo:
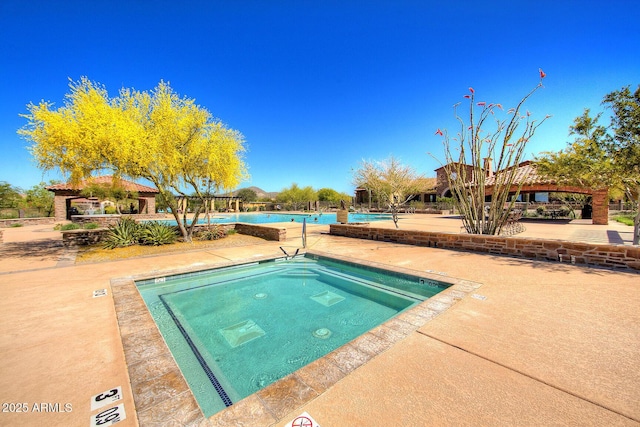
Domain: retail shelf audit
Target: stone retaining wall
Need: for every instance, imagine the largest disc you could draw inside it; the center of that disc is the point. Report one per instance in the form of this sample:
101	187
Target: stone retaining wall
26	221
82	237
262	231
90	237
601	255
1	238
256	230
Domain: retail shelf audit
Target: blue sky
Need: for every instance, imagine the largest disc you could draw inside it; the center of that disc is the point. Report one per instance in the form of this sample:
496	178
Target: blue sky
317	86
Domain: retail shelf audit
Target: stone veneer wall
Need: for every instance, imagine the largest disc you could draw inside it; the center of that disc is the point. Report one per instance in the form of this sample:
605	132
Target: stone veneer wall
262	231
26	221
601	255
82	237
90	237
1	238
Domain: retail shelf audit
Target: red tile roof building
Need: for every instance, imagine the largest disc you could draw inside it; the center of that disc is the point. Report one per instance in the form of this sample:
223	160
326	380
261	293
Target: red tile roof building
66	192
526	174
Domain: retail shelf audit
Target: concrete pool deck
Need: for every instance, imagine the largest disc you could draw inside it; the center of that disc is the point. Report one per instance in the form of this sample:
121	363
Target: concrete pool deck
538	343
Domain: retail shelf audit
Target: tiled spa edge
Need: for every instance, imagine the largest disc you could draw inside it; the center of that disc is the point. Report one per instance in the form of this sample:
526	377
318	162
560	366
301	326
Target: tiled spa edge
162	395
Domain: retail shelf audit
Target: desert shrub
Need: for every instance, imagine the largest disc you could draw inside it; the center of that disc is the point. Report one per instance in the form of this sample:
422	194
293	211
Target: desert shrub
213	232
416	204
17	224
72	226
91	226
156	234
624	219
8	213
231	231
125	232
540	210
110	210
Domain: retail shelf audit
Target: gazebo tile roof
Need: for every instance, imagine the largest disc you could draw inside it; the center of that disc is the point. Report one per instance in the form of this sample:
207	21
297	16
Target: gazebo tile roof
526	173
105	179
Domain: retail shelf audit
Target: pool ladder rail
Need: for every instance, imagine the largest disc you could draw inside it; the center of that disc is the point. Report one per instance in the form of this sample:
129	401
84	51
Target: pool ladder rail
288	257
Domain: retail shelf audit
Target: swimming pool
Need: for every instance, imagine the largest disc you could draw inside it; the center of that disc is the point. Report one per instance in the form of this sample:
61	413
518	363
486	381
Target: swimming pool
235	330
311	218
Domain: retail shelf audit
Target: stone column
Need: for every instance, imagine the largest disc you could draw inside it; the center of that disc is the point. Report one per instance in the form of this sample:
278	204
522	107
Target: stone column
60	207
342	216
147	205
600	202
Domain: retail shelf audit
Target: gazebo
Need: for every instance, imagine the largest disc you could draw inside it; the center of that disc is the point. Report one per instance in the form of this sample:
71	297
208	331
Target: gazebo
66	192
527	176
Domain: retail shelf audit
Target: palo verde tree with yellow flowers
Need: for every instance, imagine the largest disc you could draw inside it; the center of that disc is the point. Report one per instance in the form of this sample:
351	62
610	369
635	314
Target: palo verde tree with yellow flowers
156	135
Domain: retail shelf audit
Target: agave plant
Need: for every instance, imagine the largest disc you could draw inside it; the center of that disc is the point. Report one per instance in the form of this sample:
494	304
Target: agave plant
212	232
125	233
156	234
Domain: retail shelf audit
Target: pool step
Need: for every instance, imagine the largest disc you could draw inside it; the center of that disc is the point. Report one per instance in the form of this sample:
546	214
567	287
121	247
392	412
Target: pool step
303	274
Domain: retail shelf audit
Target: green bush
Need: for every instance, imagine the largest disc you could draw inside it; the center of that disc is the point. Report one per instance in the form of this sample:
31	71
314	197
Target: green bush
156	234
624	219
125	232
8	214
72	226
91	226
110	210
540	210
213	232
17	224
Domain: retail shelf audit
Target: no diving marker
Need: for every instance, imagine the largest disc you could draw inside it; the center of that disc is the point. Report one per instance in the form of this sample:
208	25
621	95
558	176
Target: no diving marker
109	416
303	420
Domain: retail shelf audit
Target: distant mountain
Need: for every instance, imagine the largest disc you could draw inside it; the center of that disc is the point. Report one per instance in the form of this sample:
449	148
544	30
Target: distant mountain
259	192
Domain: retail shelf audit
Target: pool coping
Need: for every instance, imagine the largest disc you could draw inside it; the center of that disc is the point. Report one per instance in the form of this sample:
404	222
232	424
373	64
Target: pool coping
161	393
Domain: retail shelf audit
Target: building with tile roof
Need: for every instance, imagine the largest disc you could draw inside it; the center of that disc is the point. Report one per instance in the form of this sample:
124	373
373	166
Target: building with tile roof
530	183
65	193
526	178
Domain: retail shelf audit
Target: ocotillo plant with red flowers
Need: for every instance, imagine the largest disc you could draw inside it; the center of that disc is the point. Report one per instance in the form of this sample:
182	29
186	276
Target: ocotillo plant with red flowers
485	143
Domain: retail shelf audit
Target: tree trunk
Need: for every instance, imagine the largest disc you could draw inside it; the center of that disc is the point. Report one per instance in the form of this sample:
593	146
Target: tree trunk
173	205
394	215
636	221
181	227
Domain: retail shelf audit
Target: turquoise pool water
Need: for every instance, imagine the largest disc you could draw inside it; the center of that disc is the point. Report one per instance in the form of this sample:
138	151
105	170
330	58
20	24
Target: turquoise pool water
238	329
312	218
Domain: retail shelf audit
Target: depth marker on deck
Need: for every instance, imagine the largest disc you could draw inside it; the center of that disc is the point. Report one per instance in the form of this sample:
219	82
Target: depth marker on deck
106	397
99	293
109	416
